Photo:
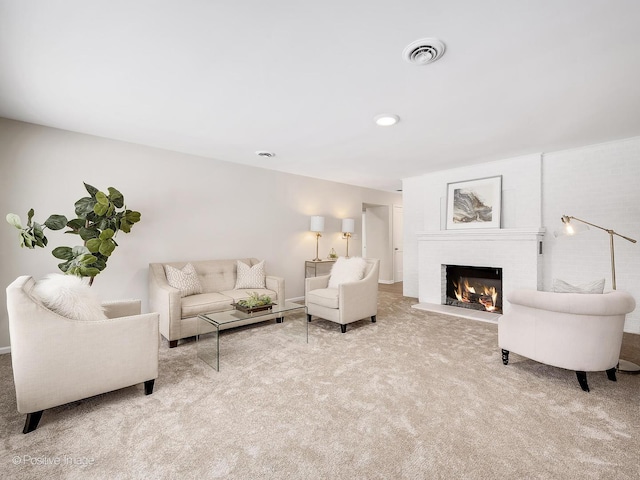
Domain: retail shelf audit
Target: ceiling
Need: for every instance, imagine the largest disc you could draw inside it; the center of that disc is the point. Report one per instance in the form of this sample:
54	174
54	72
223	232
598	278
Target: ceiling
304	79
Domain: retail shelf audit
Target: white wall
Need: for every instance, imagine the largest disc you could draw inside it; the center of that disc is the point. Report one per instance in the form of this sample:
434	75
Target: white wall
192	208
597	183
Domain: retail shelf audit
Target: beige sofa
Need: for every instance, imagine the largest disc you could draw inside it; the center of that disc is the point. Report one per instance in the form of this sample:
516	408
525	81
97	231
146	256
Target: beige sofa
178	315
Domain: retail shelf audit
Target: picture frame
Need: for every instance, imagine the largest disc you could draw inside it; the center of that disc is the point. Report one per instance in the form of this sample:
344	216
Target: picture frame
474	203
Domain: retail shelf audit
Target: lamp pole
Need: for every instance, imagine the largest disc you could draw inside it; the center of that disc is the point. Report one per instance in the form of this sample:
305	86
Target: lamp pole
623	365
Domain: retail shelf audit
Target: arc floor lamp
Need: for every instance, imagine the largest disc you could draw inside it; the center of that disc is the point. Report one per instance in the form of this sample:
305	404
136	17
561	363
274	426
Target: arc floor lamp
624	365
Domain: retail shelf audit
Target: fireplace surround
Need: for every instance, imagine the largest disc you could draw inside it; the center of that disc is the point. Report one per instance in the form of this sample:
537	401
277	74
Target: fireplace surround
518	252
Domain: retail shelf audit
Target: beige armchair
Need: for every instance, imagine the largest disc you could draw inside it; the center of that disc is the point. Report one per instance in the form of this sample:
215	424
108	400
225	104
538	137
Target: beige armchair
576	331
347	303
57	360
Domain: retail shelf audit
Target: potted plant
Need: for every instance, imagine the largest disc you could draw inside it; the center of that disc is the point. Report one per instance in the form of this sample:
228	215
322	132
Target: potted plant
99	218
254	303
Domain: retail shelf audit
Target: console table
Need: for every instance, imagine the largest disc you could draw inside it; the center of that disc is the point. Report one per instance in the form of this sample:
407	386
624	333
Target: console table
313	268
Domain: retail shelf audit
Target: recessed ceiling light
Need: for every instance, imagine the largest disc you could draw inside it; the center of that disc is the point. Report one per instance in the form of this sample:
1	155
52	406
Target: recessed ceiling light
386	119
263	153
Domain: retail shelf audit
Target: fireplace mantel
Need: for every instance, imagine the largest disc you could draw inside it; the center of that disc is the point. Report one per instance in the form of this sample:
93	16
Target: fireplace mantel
495	234
516	250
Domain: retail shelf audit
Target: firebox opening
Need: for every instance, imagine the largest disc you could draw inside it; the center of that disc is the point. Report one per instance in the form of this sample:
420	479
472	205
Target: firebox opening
477	288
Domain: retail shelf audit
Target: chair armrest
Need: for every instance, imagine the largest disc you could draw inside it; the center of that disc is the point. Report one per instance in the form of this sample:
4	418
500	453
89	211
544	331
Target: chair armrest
87	357
122	308
277	285
314	283
358	299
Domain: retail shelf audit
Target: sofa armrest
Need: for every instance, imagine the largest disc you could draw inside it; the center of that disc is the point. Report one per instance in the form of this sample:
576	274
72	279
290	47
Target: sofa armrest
166	300
314	283
277	285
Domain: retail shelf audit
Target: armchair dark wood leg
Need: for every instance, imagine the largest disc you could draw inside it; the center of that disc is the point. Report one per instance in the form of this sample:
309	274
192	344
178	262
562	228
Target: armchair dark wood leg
611	374
148	387
173	343
582	380
31	423
373	319
343	328
308	317
279	319
505	357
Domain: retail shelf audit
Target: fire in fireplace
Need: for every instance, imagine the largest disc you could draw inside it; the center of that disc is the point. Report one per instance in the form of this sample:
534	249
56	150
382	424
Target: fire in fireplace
477	288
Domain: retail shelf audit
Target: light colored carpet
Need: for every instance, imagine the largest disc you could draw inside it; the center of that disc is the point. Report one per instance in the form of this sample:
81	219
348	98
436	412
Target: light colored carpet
415	395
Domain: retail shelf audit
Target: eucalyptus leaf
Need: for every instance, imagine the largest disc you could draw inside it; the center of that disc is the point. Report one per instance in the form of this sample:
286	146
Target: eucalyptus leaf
76	224
116	197
102	199
56	222
106	234
107	247
91	189
63	253
88	233
84	206
29	217
14	220
94	244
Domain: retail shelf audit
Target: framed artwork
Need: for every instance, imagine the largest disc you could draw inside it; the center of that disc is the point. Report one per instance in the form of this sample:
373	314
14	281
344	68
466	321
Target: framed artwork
474	203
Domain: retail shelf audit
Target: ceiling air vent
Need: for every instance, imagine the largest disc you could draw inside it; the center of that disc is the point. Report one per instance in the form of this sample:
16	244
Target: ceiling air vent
423	51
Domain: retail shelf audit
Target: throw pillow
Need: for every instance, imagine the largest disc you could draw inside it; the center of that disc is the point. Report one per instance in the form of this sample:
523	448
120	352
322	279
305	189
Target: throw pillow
250	277
347	270
69	296
560	286
185	280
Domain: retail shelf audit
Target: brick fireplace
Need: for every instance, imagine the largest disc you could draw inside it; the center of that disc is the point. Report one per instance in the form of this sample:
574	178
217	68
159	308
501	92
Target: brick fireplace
517	253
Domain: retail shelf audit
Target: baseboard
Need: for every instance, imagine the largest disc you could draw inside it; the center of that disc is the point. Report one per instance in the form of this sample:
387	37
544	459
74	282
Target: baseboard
386	282
294	299
4	350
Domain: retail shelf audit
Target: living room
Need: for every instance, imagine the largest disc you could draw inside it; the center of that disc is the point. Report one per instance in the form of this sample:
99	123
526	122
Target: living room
415	395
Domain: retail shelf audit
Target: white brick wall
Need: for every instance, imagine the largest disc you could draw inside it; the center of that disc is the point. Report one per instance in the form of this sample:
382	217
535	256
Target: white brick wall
599	184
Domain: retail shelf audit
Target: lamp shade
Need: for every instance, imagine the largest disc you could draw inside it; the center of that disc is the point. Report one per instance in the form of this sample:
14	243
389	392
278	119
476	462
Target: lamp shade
348	225
317	224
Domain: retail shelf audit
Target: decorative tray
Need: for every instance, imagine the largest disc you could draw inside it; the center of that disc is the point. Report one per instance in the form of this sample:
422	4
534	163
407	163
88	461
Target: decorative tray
237	306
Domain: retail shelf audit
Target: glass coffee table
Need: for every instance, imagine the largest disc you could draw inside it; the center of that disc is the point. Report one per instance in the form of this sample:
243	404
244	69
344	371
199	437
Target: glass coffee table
209	348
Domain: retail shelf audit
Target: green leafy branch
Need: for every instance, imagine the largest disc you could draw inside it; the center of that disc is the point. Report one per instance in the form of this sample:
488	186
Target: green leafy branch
99	218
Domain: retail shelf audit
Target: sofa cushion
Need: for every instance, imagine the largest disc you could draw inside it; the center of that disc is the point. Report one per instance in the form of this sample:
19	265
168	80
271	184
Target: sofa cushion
185	279
347	270
250	277
325	297
195	305
560	286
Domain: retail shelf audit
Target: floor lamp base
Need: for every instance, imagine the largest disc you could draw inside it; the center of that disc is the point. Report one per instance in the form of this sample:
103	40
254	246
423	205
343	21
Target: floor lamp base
625	366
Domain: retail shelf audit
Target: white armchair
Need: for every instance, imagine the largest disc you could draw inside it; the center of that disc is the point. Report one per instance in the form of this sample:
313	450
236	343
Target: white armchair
347	303
57	360
576	331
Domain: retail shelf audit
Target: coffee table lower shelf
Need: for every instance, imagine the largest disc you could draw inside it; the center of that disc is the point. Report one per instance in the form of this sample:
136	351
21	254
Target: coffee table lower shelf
209	324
